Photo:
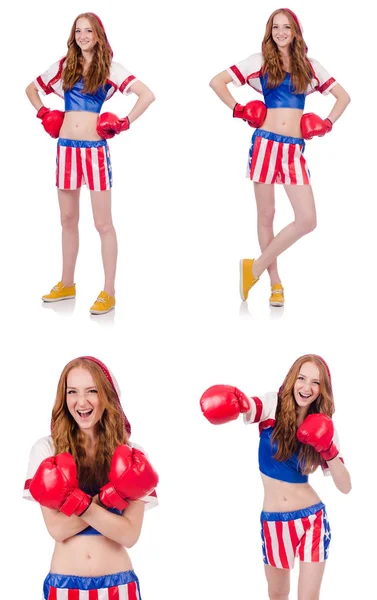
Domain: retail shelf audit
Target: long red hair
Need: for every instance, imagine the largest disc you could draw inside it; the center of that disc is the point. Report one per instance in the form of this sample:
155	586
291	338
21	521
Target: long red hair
99	68
285	429
110	430
300	68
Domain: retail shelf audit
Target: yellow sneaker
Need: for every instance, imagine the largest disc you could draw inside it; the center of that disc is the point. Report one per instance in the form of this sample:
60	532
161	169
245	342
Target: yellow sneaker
60	292
277	295
103	304
247	279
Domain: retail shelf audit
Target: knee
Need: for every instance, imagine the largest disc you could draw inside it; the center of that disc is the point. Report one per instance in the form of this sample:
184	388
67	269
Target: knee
266	216
306	223
281	594
104	227
69	220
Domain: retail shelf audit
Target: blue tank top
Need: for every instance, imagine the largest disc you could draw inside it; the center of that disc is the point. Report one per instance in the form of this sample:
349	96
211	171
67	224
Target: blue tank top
288	470
76	99
90	530
283	95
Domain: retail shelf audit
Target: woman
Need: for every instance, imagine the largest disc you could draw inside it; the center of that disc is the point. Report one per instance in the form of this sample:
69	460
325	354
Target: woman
94	513
283	73
85	78
296	436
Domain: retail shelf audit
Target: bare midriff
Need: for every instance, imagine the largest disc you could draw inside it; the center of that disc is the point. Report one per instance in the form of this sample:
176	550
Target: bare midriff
80	125
283	121
89	556
281	496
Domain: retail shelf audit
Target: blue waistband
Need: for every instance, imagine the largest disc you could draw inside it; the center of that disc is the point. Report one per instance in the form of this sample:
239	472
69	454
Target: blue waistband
72	582
275	137
81	143
290	516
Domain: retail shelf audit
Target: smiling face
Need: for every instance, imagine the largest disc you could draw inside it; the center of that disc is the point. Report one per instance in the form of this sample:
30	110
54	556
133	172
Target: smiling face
282	32
307	387
82	399
84	35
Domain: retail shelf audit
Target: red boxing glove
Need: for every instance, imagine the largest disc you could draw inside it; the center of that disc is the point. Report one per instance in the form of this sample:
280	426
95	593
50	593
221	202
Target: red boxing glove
317	430
109	124
52	120
253	112
55	485
312	125
223	403
131	476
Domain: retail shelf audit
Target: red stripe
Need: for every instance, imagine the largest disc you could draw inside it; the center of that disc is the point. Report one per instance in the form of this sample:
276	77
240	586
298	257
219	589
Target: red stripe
255	75
266	423
89	168
238	74
126	82
327	84
267	538
266	161
279	163
304	171
102	168
254	155
293	534
73	594
282	552
67	167
78	168
44	87
258	409
306	524
57	167
317	530
27	484
291	163
113	593
52	594
132	591
93	594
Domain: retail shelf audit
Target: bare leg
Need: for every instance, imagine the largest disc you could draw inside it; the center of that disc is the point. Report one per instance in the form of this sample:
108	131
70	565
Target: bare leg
310	579
302	201
69	202
101	206
265	200
278	582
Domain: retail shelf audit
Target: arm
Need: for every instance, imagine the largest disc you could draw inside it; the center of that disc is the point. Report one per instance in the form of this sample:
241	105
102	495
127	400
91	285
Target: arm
61	527
340	475
124	529
33	95
342	101
219	84
145	98
52	120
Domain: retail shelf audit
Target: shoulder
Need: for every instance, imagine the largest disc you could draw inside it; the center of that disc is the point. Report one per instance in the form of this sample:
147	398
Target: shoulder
44	445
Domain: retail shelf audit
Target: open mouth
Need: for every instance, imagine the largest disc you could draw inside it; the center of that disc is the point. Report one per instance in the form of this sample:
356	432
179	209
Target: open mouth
85	414
304	396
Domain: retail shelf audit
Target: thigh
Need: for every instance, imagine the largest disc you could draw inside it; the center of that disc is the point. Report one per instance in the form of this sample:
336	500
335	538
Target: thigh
278	580
301	198
264	196
101	206
69	203
310	579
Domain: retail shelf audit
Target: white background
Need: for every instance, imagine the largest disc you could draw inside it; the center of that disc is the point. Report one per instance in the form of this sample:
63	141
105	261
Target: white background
184	214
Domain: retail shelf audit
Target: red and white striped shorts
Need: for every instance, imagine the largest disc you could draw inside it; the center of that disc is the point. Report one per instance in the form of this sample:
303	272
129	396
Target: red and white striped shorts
277	158
304	533
119	586
80	161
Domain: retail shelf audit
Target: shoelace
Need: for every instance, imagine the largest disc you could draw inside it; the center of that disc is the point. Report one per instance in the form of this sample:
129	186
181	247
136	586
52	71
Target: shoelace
103	300
57	288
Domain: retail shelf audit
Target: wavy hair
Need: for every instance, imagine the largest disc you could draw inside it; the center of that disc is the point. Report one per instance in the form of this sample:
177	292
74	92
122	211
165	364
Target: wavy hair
110	430
285	429
99	68
301	70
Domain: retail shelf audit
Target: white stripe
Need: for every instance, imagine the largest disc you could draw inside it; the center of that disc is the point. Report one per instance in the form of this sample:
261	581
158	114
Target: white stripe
274	543
83	162
61	167
284	163
322	542
95	168
73	173
259	163
103	594
297	155
289	550
123	592
272	162
62	594
84	594
309	540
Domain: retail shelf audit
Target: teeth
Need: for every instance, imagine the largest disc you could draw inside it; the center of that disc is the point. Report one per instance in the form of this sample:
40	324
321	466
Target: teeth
85	412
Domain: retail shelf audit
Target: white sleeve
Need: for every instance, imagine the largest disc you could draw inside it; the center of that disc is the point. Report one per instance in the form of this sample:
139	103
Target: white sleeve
151	500
247	69
262	408
42	449
122	78
49	78
325	468
323	82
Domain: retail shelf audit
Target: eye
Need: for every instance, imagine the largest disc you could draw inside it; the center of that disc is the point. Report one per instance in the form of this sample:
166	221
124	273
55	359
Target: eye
316	382
300	377
93	391
71	391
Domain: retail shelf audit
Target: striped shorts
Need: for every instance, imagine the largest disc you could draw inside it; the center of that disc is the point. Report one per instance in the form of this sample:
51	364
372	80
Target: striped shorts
79	162
119	586
304	533
277	158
